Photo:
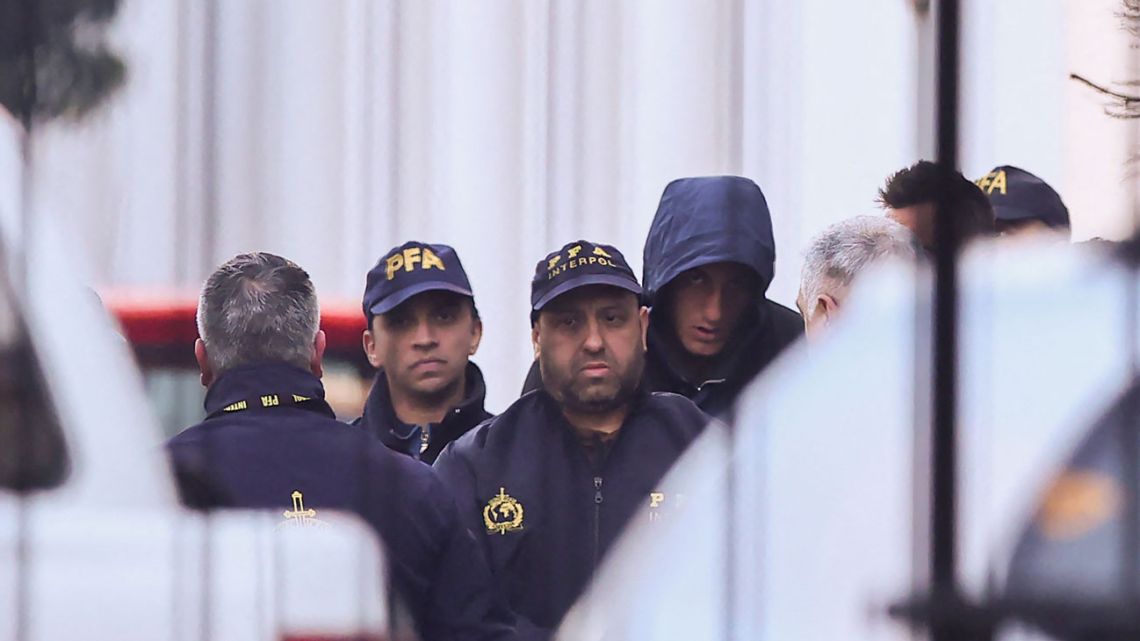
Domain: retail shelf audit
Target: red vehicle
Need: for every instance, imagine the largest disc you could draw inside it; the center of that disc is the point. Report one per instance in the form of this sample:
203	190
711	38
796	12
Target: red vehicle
161	328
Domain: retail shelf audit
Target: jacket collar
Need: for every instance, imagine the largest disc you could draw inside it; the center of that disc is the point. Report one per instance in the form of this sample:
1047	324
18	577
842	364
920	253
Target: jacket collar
665	353
380	416
554	416
253	381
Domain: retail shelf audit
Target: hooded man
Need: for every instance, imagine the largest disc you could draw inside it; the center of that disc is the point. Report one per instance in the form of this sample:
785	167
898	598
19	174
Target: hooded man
709	259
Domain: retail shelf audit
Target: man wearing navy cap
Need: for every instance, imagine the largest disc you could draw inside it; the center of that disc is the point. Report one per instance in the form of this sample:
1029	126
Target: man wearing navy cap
708	261
1023	203
422	329
550	483
271	441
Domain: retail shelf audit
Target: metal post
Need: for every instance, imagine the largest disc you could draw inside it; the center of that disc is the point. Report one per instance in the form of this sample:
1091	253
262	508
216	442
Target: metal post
943	539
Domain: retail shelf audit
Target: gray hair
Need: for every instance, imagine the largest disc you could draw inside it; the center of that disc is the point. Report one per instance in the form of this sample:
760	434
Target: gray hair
838	254
256	308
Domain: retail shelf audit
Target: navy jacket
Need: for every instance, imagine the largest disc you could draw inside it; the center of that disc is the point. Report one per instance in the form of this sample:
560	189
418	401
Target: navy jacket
380	419
259	457
547	513
709	220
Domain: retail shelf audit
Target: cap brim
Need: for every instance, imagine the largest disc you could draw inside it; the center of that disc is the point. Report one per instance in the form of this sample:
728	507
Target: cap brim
621	282
391	302
1007	213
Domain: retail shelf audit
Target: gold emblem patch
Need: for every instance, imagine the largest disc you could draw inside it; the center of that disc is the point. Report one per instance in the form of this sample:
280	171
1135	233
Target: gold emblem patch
503	513
299	516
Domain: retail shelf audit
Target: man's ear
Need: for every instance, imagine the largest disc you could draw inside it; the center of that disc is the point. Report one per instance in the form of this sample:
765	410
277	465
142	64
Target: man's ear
370	350
828	306
643	316
207	373
319	344
476	336
534	339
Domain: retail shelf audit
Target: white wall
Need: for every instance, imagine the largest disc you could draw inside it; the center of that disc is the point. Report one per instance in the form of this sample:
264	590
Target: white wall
507	128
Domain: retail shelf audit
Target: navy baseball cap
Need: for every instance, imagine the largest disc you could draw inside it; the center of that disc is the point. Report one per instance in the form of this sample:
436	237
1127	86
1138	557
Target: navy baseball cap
578	264
1017	195
410	269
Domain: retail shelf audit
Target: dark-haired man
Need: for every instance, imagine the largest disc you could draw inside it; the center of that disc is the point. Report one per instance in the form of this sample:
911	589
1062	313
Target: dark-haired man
423	327
911	194
550	483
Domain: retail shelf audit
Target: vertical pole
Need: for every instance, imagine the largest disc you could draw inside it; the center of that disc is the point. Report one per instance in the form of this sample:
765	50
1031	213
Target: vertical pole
944	442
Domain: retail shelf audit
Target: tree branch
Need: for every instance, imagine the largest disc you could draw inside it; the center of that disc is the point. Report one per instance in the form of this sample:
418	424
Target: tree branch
1128	99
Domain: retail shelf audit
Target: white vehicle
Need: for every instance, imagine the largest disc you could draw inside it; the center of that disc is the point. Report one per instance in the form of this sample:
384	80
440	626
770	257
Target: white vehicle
93	541
827	522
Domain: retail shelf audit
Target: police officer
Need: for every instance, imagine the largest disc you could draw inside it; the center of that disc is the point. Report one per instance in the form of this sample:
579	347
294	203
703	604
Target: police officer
1024	204
549	484
422	329
271	441
708	261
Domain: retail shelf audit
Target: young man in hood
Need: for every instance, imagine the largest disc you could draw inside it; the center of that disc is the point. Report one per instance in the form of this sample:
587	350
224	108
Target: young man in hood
708	261
422	329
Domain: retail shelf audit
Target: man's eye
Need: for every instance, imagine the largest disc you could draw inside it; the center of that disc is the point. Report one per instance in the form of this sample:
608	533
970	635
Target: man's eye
396	323
446	315
567	321
739	285
696	278
613	318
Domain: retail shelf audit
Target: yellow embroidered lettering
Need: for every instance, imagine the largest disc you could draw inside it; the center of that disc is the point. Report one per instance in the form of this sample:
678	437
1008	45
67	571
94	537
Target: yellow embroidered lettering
656	499
411	257
598	251
395	262
575	250
431	260
995	180
998	183
270	401
593	259
552	262
300	399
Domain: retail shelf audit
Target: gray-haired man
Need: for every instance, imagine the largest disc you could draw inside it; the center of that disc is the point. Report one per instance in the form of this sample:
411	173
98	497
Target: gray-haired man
270	441
838	255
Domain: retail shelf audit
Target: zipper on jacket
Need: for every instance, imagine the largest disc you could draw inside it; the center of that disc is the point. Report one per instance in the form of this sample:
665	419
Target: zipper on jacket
713	381
597	519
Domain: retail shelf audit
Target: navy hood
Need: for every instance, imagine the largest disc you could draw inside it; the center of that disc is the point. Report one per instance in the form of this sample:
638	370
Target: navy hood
706	220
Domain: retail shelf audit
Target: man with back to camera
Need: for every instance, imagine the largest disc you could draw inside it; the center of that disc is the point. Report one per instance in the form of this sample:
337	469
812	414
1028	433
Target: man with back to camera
708	261
271	441
837	256
910	195
1024	205
423	327
549	484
